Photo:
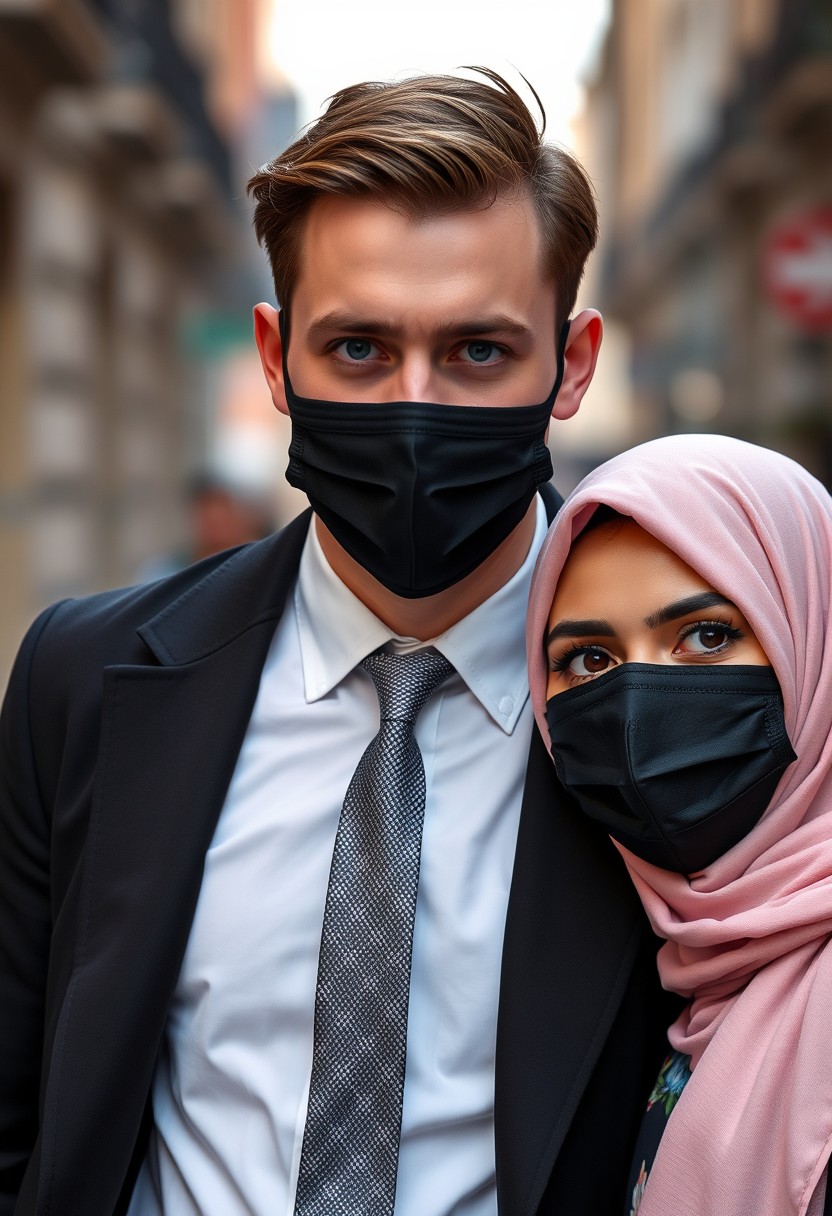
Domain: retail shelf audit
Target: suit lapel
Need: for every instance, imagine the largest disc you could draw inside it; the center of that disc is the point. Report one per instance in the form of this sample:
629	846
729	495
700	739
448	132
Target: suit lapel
170	739
571	935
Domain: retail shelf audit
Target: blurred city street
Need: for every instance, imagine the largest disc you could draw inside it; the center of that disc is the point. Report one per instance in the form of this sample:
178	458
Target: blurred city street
128	268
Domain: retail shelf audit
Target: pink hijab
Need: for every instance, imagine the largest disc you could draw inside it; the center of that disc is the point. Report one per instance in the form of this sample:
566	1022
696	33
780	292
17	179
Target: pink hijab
746	939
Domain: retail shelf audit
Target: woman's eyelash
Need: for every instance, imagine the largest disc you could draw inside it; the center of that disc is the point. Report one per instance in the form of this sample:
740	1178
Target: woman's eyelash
732	633
563	661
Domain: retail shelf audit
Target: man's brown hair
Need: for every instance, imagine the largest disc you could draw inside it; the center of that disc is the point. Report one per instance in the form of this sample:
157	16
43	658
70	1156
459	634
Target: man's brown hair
426	146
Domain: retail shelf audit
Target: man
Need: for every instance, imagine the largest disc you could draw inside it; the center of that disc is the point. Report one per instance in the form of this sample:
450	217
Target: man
220	992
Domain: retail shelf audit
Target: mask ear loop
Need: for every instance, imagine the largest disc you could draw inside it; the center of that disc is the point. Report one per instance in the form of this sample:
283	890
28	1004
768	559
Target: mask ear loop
283	328
563	337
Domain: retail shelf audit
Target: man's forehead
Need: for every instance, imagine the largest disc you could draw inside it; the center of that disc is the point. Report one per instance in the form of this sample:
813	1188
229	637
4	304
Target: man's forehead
365	267
343	234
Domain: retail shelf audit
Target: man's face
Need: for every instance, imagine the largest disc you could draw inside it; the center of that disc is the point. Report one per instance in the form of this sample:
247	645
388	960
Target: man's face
451	309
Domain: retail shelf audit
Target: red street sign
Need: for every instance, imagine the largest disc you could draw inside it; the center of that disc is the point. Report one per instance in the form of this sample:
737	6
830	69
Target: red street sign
797	268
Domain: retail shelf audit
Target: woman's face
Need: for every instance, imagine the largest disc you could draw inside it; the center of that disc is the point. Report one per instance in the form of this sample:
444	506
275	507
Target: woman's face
624	597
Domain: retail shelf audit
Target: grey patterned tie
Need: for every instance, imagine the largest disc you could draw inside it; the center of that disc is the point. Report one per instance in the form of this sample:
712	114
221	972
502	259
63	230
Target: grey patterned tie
350	1152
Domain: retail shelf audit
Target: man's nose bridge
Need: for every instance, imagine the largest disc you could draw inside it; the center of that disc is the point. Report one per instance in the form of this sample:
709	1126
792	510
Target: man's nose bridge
416	379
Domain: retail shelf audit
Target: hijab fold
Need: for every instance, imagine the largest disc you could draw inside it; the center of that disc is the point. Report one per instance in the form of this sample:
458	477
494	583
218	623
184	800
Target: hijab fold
747	938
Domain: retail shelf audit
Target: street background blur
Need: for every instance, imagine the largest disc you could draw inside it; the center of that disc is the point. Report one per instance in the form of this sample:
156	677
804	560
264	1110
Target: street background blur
136	432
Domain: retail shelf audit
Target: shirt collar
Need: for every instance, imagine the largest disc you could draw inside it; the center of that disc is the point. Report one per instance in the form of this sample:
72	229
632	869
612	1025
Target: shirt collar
487	647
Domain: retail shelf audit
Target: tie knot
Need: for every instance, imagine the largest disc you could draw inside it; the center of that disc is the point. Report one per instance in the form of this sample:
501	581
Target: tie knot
404	682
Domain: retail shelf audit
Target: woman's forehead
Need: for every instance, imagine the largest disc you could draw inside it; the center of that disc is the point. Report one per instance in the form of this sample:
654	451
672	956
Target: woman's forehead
623	564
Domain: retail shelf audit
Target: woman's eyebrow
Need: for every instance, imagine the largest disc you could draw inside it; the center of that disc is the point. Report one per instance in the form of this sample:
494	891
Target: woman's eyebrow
581	629
692	603
600	628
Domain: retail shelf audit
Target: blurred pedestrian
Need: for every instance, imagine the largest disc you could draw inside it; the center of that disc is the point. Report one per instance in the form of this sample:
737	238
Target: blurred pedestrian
220	516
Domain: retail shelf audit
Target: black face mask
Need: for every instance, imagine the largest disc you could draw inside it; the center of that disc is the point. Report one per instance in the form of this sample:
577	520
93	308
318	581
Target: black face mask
419	494
678	763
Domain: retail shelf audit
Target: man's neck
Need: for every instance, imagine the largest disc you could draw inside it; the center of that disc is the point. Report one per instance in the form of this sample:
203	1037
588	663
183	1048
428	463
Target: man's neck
431	615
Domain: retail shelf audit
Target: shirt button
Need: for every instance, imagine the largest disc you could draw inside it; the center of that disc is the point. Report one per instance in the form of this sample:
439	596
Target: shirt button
506	706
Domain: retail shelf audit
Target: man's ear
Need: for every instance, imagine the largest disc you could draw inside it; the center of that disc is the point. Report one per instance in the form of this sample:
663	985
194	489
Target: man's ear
582	346
270	345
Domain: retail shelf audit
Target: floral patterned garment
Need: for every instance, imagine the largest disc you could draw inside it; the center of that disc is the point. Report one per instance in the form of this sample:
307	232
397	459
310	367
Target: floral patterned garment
674	1076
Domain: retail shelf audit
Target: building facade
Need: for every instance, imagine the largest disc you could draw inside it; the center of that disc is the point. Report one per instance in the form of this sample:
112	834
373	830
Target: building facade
116	218
710	129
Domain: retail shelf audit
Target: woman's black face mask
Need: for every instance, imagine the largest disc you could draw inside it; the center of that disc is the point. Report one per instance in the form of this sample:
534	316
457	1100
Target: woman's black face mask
418	494
677	762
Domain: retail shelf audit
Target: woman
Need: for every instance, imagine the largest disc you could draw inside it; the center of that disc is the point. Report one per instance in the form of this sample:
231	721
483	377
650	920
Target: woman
681	671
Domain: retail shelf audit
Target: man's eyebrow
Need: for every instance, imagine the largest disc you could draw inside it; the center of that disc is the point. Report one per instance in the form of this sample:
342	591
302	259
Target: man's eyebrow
692	603
343	321
340	320
581	629
493	323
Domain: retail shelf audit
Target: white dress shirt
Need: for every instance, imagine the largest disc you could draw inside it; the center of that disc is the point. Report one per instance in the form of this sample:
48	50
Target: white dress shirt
231	1087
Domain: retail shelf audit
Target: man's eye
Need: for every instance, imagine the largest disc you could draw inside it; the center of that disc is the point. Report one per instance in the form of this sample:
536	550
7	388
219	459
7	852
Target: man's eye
480	352
356	349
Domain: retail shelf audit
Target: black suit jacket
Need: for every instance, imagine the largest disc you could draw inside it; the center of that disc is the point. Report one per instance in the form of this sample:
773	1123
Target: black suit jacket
119	735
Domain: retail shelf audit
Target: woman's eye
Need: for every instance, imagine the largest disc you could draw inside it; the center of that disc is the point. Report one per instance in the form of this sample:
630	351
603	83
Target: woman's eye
709	638
589	662
480	352
357	350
